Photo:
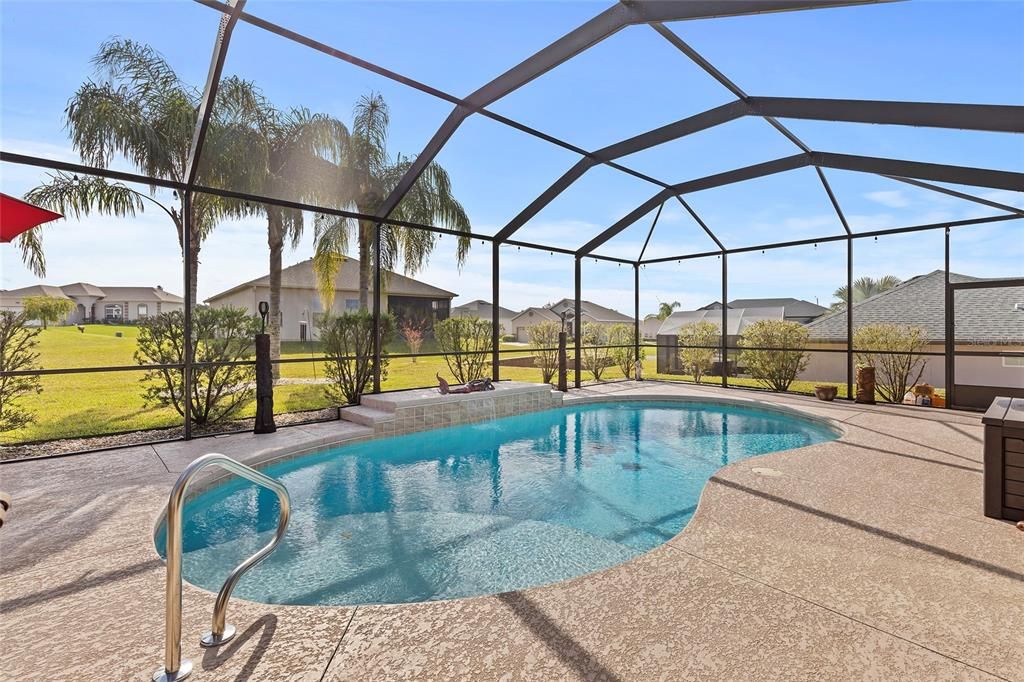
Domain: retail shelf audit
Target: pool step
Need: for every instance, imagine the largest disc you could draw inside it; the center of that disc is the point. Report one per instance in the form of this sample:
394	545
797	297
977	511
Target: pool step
366	415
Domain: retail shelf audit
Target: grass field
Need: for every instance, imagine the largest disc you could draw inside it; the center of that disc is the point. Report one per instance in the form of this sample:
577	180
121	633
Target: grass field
97	403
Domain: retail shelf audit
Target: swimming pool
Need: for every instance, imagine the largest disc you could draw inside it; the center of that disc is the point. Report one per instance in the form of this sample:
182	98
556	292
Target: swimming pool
481	508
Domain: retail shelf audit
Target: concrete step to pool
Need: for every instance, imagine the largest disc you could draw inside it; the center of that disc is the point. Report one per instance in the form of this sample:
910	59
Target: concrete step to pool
366	416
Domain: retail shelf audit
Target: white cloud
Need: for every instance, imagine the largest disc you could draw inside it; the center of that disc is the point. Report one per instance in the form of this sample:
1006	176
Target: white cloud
890	198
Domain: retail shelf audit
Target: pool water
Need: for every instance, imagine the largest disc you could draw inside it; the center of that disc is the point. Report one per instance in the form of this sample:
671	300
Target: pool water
478	509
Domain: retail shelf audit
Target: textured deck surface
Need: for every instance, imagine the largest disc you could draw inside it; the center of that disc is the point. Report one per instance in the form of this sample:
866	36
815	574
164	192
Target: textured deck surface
863	558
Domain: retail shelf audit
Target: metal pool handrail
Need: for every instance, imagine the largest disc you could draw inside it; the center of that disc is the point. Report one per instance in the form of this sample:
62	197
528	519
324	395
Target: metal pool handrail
175	668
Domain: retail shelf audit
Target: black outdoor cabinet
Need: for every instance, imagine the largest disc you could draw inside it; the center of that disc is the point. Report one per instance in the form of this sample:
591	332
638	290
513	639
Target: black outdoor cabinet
1004	459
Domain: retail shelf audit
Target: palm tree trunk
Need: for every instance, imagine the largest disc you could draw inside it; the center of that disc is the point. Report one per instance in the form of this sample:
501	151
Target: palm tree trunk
193	268
275	240
365	267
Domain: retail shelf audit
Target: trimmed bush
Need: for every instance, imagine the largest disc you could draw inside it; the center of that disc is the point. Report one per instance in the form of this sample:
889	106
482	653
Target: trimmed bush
898	370
698	343
544	339
17	354
466	345
219	335
347	341
776	369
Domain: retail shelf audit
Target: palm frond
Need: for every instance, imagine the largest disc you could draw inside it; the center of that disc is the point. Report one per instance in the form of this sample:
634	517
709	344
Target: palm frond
331	242
69	194
31	245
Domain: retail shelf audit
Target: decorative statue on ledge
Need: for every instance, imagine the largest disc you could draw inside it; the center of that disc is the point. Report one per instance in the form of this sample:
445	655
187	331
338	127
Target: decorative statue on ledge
471	387
264	378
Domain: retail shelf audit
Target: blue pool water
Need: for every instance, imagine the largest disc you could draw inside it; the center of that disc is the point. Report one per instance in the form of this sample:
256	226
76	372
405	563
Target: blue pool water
478	509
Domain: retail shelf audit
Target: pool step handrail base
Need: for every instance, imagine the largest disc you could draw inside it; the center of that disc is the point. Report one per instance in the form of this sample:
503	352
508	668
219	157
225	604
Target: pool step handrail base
174	667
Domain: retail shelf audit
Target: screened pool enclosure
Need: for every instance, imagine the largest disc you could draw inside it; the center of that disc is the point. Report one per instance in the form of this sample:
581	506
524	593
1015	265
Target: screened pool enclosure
644	112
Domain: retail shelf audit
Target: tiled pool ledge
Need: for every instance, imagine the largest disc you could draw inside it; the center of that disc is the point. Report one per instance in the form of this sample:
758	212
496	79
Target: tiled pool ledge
391	414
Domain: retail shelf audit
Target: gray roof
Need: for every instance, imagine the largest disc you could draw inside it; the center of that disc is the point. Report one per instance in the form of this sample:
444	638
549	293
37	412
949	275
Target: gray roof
795	307
8	297
482	307
301	276
737	320
981	315
591	309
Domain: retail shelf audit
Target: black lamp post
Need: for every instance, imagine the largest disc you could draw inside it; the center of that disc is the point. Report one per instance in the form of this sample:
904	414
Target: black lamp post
264	377
264	309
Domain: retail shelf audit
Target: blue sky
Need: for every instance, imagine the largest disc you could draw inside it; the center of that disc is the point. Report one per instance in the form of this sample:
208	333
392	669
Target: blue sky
635	80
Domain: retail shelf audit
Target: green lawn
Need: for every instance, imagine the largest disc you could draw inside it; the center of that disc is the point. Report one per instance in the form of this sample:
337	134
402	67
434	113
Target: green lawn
99	403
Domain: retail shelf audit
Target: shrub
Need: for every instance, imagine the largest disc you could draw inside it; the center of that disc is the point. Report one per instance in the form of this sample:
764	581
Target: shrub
347	341
413	330
776	369
595	359
17	354
897	372
624	357
698	343
544	339
219	335
47	309
466	344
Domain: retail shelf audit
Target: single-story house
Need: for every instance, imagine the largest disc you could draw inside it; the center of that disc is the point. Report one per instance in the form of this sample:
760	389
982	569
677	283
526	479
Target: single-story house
737	320
649	328
482	309
589	312
99	303
988	319
301	308
794	309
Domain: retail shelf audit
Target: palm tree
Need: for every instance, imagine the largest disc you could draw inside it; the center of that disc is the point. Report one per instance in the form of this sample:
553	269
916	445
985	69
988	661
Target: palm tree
366	176
666	309
287	155
864	287
140	110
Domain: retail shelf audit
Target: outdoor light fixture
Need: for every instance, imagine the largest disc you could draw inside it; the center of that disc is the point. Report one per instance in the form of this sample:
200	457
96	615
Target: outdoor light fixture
264	308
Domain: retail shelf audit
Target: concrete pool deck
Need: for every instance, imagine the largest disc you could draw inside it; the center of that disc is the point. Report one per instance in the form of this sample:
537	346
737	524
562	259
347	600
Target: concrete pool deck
863	558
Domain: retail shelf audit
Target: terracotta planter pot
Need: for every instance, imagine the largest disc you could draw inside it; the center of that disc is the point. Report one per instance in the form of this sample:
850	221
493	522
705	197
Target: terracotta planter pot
826	393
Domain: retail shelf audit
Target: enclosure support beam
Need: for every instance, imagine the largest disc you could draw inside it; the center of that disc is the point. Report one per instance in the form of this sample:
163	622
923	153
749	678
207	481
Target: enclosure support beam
206	104
725	320
959	195
997	118
609	22
577	322
376	307
832	198
188	358
495	318
936	172
636	314
849	318
948	309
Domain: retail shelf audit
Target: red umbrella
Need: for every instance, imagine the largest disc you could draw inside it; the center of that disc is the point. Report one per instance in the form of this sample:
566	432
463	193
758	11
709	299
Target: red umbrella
17	216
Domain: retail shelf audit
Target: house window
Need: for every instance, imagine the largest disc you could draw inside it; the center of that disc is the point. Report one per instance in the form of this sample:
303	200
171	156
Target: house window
1013	361
143	310
351	304
112	311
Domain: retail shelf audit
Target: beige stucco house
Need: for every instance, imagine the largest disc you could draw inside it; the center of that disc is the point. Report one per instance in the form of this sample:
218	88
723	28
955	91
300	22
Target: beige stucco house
98	303
483	310
985	319
301	308
589	312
